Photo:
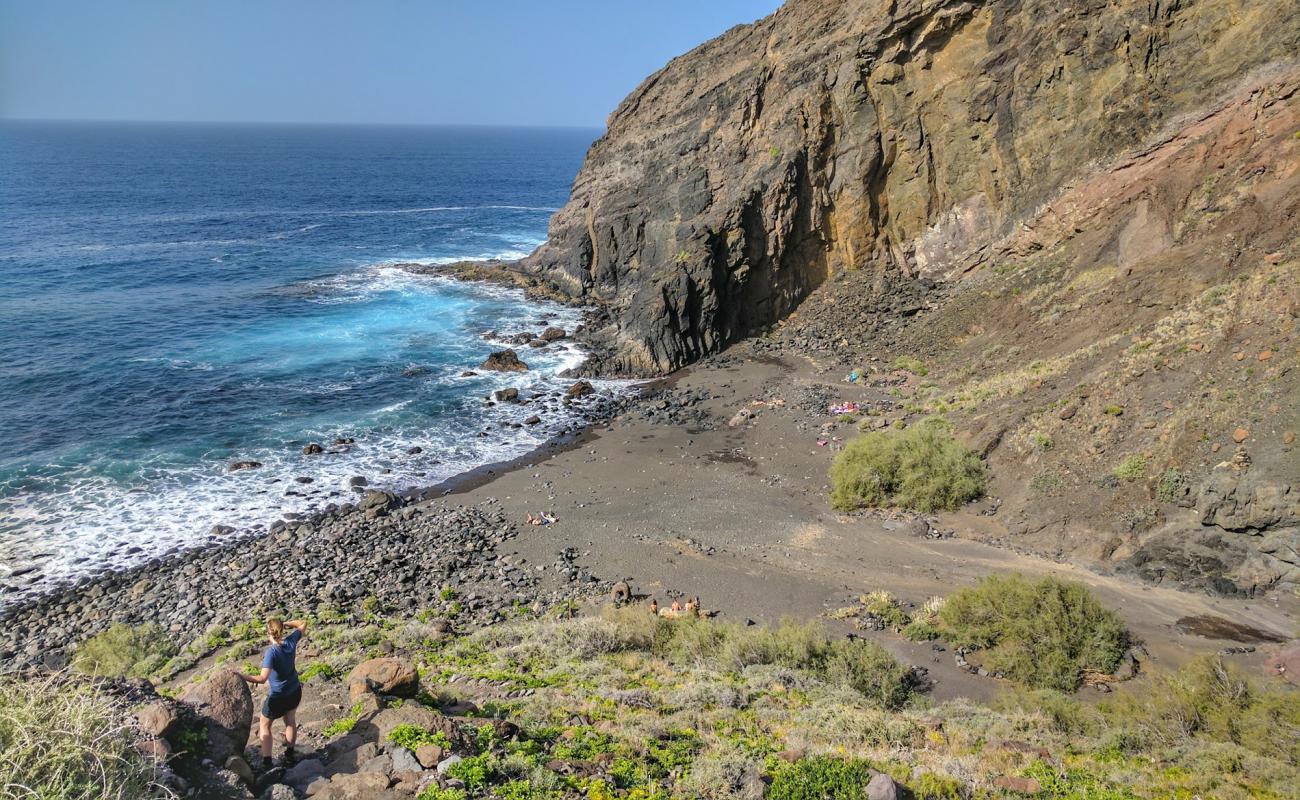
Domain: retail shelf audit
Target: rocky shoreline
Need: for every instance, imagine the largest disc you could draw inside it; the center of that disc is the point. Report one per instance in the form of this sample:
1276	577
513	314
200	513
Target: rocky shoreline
381	554
395	551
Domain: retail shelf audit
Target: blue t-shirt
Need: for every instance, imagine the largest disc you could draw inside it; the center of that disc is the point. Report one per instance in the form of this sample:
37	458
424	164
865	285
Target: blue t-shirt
279	659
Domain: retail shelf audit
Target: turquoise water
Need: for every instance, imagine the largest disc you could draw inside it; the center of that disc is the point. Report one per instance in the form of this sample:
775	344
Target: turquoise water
176	298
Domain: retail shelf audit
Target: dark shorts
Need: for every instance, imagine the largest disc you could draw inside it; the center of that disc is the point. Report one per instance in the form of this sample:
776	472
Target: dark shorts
274	707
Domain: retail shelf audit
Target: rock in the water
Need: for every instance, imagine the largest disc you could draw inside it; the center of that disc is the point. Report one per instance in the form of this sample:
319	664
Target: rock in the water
236	466
387	676
510	395
553	334
312	449
579	389
504	361
226	707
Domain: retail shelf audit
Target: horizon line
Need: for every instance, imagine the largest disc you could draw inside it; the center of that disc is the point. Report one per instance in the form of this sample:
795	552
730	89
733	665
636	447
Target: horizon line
300	123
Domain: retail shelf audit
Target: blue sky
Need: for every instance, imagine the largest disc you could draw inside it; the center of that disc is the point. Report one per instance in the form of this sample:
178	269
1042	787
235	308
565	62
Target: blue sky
527	62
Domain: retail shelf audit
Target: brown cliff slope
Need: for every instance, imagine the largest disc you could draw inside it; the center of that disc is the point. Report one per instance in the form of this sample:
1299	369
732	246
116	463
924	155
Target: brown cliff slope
901	137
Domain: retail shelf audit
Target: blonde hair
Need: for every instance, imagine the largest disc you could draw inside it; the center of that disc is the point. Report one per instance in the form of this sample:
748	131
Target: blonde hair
275	628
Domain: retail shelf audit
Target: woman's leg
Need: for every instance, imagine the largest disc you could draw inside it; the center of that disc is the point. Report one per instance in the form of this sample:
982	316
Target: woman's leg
264	733
291	728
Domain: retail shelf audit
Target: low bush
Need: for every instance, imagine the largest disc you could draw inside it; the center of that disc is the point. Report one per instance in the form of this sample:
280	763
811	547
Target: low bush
1045	634
1131	468
913	365
413	736
922	467
125	651
67	741
1171	486
820	778
1211	700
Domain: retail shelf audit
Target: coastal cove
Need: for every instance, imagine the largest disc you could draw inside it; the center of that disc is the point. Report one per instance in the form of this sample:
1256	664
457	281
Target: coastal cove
250	295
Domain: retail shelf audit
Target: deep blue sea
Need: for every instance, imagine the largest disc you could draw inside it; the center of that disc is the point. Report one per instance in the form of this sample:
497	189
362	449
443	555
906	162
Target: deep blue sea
174	298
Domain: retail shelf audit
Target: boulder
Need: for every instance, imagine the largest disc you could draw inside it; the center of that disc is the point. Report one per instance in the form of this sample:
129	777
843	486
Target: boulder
158	719
504	361
236	466
510	395
553	334
240	767
409	714
533	420
405	761
447	763
429	755
882	787
355	786
387	676
225	705
278	791
300	775
375	503
312	449
579	389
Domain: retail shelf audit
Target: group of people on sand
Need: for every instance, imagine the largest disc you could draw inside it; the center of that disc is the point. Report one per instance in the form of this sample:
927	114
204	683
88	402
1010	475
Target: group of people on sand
691	608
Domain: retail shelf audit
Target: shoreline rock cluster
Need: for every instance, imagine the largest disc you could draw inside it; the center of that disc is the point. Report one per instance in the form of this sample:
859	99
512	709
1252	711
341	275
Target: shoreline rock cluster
384	552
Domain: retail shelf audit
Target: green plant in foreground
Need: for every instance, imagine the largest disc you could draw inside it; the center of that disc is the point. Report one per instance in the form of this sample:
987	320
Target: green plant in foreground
66	741
413	736
1131	468
1044	634
343	724
922	467
124	651
318	669
821	777
1171	485
436	792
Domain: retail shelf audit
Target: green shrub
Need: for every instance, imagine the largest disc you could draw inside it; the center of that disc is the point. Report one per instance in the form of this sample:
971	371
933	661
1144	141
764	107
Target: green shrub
318	669
938	787
912	365
66	741
821	778
921	467
1210	699
124	651
1043	634
436	792
1045	482
413	736
343	724
1131	468
1075	784
476	772
1171	486
1113	411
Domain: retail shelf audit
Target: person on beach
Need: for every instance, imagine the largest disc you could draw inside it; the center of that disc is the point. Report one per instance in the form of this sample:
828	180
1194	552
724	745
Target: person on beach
280	672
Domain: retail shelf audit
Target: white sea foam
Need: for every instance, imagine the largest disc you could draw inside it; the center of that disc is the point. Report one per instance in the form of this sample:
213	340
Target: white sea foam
99	523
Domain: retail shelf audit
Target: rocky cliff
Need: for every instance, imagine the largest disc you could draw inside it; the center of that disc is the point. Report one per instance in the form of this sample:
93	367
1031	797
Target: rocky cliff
901	138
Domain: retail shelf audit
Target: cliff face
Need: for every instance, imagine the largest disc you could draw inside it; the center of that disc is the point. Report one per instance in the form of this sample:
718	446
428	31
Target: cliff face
900	137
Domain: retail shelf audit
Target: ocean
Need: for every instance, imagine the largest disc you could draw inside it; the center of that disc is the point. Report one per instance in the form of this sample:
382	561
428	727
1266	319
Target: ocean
176	298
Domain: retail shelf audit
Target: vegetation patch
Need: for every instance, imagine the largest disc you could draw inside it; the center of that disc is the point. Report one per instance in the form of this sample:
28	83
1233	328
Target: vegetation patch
1131	468
1044	634
913	365
67	741
922	467
821	777
125	651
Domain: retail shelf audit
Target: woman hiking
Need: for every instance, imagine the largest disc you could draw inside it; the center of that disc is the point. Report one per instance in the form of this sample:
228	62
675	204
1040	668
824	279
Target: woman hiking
285	691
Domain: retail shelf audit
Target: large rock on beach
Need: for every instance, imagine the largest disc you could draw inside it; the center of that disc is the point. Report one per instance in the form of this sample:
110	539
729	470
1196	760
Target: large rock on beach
504	361
225	705
396	677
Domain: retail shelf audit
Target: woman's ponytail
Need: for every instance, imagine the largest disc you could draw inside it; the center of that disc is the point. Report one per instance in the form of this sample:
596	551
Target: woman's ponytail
275	628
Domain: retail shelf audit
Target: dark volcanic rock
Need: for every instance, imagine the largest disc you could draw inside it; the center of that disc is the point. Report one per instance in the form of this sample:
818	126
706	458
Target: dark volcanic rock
900	138
504	361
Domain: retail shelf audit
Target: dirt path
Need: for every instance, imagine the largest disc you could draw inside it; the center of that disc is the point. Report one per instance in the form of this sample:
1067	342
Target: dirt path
739	516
